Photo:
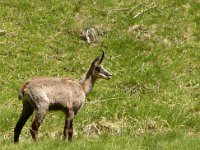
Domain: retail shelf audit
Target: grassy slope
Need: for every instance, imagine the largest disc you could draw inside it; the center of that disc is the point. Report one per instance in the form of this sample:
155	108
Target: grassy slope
152	102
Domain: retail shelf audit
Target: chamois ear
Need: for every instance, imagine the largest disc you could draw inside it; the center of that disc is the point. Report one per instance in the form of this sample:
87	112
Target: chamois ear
96	61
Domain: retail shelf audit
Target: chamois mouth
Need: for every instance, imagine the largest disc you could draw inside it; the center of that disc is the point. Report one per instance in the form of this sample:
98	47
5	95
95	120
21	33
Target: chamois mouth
106	76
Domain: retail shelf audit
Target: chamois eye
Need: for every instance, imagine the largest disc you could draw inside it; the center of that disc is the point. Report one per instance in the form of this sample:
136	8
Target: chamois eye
97	69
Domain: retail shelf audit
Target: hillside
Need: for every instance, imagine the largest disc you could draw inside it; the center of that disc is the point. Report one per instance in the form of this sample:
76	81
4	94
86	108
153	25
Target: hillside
151	48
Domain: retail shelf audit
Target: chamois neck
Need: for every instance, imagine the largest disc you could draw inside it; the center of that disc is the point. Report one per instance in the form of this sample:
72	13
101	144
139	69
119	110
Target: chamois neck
88	82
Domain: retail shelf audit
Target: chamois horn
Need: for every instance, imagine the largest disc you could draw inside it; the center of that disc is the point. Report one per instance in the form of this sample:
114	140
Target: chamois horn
102	57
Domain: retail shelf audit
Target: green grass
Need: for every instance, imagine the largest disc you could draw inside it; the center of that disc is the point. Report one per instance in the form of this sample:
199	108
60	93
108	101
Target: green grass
152	102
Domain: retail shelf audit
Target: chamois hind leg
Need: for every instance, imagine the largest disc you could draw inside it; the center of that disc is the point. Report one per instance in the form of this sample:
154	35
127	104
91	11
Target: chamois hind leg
68	129
25	114
39	117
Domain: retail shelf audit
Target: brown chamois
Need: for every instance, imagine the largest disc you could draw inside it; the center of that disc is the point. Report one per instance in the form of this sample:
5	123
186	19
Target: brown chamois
67	95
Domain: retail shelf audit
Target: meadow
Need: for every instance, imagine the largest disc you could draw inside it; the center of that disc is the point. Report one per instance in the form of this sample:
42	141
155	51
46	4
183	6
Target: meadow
152	49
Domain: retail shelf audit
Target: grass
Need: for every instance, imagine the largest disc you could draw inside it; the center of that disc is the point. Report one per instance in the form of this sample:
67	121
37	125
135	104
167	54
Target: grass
152	102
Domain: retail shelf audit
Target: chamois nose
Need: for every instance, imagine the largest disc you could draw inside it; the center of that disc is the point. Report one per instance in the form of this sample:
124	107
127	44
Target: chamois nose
110	75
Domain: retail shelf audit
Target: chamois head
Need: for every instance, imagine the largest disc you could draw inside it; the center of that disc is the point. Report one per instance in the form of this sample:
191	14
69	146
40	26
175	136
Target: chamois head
97	70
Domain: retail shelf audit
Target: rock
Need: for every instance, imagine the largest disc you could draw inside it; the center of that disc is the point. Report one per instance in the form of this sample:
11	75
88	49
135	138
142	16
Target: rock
91	36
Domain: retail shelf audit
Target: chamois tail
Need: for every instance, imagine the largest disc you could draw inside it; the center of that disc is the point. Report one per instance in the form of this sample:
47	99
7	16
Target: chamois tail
21	94
22	90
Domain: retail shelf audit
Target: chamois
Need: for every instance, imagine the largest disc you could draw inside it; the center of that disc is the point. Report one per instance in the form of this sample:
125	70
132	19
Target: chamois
42	94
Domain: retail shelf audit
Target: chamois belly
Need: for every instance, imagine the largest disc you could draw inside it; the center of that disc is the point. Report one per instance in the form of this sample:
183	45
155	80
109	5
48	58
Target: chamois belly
64	101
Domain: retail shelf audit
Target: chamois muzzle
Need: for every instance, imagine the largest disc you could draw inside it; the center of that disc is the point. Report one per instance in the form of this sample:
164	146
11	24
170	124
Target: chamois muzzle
105	74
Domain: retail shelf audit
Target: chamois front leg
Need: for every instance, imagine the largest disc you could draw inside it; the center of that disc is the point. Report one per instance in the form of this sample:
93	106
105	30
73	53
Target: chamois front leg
68	129
39	117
